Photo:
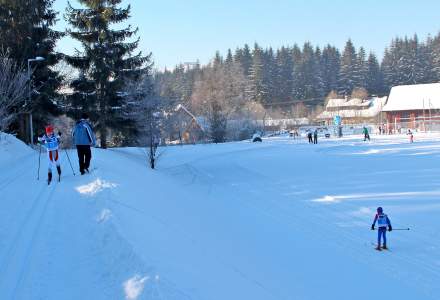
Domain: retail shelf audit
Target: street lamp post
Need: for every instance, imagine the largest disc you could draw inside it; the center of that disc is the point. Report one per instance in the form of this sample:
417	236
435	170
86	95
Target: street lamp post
31	127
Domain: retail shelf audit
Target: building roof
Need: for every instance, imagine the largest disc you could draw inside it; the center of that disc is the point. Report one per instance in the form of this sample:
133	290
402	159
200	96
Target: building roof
414	97
354	108
341	103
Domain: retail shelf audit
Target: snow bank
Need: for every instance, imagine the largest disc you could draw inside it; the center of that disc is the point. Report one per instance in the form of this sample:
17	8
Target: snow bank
11	148
94	187
133	287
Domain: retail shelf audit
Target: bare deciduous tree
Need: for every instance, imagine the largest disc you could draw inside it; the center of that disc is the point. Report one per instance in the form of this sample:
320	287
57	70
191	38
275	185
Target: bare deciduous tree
359	93
219	96
144	107
13	90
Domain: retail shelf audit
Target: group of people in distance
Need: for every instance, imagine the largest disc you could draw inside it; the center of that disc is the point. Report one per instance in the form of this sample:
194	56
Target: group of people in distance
313	137
83	138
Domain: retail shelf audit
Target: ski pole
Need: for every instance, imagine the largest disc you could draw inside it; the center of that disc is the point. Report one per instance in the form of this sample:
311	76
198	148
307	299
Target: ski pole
70	163
39	159
396	229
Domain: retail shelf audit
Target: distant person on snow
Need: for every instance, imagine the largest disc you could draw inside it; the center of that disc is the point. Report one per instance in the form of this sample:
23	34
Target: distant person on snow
309	135
51	142
315	136
366	134
382	223
411	136
83	139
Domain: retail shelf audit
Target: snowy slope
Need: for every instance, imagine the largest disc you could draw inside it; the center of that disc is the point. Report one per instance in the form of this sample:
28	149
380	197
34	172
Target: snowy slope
278	220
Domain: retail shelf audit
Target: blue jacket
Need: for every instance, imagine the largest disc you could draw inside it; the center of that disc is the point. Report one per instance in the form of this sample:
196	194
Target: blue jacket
82	134
382	220
51	143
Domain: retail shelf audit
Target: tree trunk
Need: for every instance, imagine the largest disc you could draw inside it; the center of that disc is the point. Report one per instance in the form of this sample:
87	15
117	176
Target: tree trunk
103	121
103	136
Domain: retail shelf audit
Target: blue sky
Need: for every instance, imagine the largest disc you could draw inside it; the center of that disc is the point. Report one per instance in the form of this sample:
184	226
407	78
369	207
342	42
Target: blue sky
186	30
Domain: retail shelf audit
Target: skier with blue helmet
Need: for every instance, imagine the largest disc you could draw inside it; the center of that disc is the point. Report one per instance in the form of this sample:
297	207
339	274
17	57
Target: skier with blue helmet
382	223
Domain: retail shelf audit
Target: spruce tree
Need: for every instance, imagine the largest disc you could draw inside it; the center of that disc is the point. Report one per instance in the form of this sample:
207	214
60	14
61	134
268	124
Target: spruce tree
283	76
229	58
106	61
435	56
349	71
246	60
374	77
330	62
269	74
26	31
360	77
409	62
317	78
424	62
257	88
217	61
307	78
299	76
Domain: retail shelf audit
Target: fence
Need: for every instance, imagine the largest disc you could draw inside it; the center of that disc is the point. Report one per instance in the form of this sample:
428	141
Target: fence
428	123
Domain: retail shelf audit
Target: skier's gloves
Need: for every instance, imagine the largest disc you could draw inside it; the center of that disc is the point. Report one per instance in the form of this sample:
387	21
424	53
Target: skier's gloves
390	228
372	227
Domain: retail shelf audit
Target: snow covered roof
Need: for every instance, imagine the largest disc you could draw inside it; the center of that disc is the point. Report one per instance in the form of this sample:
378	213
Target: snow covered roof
336	103
414	97
182	107
365	109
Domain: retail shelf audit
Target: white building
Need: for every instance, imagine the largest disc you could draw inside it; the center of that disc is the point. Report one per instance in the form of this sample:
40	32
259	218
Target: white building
353	111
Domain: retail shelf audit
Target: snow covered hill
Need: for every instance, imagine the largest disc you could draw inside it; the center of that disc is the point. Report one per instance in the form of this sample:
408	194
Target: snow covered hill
280	219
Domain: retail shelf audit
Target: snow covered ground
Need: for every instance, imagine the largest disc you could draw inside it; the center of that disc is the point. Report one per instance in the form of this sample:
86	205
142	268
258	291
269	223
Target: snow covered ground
280	219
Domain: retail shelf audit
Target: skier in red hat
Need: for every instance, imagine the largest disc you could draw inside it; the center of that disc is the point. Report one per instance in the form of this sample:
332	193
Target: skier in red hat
51	143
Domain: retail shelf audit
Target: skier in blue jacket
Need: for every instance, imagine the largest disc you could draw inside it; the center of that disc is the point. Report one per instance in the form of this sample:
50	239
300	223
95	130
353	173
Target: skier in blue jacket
83	139
382	223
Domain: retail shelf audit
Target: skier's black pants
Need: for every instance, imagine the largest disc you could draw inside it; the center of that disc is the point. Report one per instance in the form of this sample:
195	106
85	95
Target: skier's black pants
315	140
84	157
